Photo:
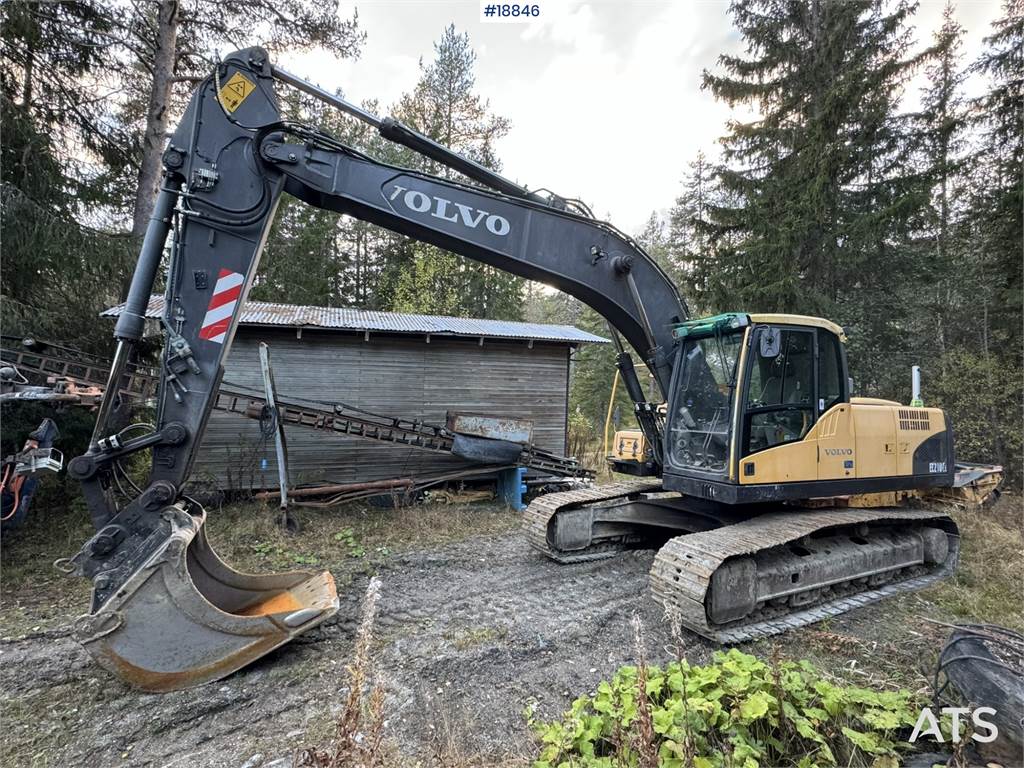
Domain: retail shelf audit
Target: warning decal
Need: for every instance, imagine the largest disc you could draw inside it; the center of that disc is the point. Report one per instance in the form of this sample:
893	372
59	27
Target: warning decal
234	91
222	306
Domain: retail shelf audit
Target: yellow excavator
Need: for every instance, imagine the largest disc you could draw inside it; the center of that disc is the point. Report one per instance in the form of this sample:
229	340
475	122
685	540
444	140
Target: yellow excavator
797	500
756	445
880	448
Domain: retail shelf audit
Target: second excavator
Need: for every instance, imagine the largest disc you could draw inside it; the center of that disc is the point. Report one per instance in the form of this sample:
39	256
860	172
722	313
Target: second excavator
773	492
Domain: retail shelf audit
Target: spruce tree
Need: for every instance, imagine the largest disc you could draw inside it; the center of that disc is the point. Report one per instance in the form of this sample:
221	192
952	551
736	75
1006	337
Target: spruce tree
655	239
821	200
942	129
998	208
53	127
316	256
981	383
944	116
688	241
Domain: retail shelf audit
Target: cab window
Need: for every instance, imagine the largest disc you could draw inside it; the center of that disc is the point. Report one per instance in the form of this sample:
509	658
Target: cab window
830	381
780	392
701	421
782	372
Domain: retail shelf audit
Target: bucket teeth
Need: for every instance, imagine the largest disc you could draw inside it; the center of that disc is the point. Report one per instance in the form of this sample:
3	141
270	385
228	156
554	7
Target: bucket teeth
185	617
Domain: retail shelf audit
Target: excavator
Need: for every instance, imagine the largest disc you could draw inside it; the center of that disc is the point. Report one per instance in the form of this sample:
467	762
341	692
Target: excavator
756	455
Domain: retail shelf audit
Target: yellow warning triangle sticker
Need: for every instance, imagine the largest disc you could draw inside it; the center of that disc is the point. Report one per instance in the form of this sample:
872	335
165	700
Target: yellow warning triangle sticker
235	91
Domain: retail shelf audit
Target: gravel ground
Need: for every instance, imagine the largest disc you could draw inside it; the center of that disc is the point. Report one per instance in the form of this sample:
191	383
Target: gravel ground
467	634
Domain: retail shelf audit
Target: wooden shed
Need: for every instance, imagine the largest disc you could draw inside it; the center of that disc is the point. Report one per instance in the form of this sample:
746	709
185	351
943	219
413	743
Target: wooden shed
402	365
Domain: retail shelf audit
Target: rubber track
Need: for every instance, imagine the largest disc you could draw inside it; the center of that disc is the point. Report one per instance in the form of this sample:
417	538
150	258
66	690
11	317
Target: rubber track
681	574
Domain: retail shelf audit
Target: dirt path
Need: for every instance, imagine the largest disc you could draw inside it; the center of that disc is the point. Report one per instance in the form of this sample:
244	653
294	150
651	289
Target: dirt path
467	634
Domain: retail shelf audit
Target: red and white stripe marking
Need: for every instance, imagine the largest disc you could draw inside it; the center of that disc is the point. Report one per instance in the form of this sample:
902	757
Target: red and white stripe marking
222	306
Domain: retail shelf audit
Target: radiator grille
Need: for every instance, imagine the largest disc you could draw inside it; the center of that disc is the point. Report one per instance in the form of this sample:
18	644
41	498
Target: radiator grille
914	419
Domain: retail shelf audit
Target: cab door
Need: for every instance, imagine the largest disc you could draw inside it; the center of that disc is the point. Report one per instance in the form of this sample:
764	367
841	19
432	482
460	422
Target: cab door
797	423
835	432
779	407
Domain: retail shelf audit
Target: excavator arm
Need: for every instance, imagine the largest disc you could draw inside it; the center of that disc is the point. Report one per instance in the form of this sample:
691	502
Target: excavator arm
166	612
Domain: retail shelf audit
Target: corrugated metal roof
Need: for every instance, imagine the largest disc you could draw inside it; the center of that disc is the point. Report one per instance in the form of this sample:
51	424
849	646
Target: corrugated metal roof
342	318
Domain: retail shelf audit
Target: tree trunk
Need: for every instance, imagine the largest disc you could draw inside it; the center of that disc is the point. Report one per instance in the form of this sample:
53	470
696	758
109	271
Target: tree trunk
156	115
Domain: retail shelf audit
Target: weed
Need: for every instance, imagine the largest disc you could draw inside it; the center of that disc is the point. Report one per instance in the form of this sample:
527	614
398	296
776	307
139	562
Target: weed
359	734
986	586
643	742
448	749
464	639
348	538
738	711
343	538
279	556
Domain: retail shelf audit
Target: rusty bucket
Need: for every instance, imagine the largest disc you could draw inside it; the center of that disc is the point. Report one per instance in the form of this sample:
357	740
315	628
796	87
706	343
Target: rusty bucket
185	617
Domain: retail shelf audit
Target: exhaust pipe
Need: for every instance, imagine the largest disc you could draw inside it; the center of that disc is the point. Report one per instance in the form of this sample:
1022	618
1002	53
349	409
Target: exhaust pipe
915	387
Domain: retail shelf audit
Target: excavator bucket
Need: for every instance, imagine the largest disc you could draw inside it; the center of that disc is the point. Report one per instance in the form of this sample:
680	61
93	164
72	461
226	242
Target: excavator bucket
185	617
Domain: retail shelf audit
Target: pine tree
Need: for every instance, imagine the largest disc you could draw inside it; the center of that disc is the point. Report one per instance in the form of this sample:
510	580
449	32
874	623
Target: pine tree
53	127
655	240
323	258
981	381
688	240
999	206
172	45
302	262
943	122
56	272
445	107
945	119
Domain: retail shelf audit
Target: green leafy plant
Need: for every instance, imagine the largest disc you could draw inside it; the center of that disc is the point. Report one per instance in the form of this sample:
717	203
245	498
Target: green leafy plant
281	557
737	712
348	538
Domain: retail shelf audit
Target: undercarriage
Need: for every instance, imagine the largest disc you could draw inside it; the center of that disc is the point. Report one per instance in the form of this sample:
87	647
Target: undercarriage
735	574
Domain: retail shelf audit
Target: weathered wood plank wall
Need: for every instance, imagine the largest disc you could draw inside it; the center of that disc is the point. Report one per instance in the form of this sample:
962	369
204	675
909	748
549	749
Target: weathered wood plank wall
393	375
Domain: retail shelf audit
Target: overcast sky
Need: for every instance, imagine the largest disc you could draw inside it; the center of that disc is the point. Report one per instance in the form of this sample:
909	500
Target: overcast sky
604	96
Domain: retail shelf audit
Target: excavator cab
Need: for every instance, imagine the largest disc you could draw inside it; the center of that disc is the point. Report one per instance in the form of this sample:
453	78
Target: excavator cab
761	409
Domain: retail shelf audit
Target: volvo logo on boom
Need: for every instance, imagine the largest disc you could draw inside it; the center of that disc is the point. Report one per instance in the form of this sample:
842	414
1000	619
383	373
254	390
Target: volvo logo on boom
446	210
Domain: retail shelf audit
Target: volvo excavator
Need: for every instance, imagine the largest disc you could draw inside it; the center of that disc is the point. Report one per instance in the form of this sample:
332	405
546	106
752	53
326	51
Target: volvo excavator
755	457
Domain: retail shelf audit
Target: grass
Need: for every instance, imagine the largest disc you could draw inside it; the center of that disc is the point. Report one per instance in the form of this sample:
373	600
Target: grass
987	586
464	638
346	540
34	596
25	743
358	740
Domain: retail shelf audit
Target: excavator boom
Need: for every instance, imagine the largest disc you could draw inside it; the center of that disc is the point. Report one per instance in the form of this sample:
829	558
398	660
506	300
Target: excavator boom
226	167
